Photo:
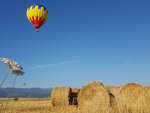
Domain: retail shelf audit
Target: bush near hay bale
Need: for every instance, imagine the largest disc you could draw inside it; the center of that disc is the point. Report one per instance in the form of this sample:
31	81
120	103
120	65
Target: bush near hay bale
93	97
133	97
16	99
61	96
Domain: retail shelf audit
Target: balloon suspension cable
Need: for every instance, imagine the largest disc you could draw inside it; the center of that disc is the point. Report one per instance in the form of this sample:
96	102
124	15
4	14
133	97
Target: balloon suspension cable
37	29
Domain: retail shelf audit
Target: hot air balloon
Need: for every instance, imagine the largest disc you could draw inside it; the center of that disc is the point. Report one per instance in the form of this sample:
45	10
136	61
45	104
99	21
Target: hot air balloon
37	15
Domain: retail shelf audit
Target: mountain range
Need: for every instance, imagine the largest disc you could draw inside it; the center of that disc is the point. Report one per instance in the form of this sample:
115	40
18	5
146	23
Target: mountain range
25	92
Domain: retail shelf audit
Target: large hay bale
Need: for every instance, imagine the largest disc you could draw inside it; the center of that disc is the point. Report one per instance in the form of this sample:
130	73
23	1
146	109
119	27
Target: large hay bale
113	92
93	97
112	89
61	96
133	97
75	90
147	88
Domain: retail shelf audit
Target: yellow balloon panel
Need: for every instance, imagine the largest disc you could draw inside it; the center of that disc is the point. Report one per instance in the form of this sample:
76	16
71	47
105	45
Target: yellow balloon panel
37	15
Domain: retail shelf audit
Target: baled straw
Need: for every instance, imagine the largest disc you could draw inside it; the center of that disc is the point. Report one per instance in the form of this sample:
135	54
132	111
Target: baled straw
75	90
133	97
61	96
93	98
113	91
147	88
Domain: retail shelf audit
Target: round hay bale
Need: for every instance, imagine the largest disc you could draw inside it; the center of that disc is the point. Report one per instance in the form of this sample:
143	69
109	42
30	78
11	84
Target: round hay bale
133	97
147	88
99	82
113	92
119	87
75	90
61	96
93	98
112	89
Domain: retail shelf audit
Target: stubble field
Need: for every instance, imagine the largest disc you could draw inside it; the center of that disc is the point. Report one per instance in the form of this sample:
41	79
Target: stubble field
32	105
91	98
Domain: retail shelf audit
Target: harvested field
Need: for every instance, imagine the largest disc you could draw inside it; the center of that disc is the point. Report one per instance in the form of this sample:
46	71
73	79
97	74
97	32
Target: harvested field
33	105
92	98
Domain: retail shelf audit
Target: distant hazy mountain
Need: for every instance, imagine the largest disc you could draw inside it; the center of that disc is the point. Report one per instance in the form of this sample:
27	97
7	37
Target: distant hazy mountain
26	92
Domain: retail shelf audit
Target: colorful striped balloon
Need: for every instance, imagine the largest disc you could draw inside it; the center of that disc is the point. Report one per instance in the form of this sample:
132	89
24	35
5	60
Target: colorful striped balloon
37	15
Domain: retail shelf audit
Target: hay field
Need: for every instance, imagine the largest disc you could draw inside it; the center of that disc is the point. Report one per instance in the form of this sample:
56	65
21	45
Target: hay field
91	98
33	105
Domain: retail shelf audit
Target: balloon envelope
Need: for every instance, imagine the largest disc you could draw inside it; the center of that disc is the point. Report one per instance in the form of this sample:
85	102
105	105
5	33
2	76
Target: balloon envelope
37	15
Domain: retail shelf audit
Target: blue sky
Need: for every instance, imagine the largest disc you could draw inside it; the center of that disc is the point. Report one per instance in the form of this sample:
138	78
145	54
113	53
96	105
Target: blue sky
82	41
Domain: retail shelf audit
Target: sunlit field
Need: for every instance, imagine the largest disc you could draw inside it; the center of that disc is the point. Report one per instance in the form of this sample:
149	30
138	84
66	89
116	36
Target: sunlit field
75	56
92	98
32	105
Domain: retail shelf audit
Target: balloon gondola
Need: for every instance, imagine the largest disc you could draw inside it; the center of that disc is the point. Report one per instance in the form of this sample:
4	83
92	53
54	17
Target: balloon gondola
37	15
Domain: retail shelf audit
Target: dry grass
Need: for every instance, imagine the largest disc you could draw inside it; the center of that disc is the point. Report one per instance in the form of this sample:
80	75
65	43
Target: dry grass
93	98
29	105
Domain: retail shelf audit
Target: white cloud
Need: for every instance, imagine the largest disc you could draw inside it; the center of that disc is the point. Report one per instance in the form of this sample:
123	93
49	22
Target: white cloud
68	62
51	65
